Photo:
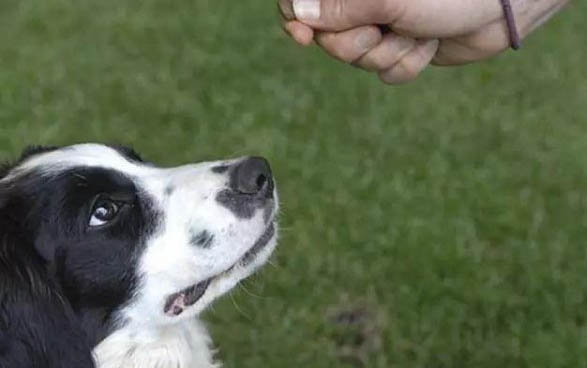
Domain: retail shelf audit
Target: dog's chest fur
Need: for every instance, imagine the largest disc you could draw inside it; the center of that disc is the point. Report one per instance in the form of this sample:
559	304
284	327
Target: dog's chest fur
183	345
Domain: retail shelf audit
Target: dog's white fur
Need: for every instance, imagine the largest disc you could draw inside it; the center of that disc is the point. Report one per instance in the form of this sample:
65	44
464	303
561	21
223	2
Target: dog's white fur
186	198
185	344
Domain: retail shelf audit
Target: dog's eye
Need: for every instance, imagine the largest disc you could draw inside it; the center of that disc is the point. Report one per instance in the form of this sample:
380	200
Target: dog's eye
104	211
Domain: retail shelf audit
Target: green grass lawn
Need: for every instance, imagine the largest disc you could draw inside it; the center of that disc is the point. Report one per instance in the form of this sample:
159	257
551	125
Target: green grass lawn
439	224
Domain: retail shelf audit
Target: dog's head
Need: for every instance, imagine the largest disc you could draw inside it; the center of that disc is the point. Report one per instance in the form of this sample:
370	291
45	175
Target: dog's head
124	240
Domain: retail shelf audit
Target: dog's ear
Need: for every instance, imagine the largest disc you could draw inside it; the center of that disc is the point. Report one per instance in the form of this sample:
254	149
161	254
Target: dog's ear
38	327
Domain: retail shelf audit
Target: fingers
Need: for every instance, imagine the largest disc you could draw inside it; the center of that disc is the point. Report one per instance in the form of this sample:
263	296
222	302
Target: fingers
351	45
394	58
387	53
300	32
412	64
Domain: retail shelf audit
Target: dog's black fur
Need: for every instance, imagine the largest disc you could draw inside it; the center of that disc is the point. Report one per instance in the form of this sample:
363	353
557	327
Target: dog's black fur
60	280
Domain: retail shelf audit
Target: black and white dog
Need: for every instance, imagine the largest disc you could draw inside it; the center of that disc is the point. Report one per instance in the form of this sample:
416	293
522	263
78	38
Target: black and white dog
107	260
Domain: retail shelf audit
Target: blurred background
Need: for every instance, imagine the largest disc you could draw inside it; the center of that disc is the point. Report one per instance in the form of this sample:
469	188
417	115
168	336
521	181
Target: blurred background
438	224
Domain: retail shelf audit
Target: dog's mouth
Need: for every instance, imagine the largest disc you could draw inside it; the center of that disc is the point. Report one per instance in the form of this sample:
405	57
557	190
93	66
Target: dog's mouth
178	302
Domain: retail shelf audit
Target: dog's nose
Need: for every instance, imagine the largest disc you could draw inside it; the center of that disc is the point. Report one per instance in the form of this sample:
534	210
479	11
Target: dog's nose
252	176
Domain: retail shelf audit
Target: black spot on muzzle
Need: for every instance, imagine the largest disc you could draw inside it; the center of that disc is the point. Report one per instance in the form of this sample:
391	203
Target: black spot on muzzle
250	187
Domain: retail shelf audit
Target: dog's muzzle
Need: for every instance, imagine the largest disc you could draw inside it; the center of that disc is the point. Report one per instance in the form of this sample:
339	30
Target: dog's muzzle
250	188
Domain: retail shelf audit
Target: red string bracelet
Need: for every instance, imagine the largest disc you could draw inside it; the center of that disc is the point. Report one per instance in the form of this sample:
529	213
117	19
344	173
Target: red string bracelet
511	24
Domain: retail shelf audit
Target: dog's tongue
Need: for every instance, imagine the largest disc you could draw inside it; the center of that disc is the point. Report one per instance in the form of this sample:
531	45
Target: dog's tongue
178	302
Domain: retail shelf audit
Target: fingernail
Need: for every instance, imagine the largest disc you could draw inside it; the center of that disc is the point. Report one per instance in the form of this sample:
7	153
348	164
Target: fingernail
286	9
307	9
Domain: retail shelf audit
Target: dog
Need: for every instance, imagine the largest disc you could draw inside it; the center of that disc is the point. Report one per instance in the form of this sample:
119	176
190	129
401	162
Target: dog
107	260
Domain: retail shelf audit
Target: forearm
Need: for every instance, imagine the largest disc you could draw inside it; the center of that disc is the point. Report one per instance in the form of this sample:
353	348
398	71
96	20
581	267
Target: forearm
531	14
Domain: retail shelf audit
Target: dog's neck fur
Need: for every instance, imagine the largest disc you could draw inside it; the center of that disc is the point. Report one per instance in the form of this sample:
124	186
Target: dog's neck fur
182	345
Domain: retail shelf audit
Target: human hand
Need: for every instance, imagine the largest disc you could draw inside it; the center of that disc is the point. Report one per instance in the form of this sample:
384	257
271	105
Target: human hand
441	32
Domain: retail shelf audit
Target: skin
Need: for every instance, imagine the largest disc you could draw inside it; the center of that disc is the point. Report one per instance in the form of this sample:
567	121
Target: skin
422	32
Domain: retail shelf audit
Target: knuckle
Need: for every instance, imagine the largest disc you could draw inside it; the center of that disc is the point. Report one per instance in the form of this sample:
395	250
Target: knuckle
365	39
400	74
409	71
337	46
345	56
333	47
385	78
377	62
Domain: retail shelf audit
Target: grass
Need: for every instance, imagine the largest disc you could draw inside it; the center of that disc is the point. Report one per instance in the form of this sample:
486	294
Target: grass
447	218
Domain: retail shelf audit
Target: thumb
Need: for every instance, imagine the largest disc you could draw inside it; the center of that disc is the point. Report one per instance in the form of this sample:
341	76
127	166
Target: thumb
339	15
